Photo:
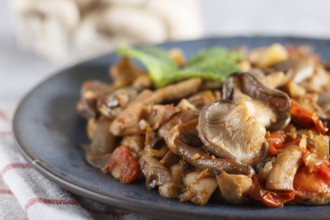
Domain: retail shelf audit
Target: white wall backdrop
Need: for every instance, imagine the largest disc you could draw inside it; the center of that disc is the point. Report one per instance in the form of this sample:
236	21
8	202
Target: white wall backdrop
275	17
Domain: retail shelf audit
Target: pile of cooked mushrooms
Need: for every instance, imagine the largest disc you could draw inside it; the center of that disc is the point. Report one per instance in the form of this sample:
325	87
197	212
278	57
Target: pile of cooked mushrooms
260	135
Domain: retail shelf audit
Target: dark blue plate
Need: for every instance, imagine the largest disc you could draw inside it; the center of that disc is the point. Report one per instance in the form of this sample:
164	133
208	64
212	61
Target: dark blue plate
50	135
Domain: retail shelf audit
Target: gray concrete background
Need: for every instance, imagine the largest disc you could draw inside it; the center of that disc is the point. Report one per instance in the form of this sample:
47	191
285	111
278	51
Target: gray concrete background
20	70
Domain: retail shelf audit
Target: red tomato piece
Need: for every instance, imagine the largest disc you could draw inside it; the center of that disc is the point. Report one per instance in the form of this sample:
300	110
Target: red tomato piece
277	198
123	165
323	170
275	141
269	198
305	118
308	183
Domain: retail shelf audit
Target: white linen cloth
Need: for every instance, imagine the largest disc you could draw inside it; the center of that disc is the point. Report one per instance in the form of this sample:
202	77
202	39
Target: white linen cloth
25	194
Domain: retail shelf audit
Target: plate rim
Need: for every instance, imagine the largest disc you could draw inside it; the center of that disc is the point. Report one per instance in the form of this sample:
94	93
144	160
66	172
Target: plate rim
126	204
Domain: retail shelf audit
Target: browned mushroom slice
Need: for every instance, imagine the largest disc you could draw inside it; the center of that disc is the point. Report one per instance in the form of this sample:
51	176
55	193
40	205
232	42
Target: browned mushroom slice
156	173
199	187
274	79
154	145
178	170
173	188
187	112
137	117
127	122
229	129
267	56
159	114
265	170
91	127
124	72
319	199
111	104
275	100
90	92
174	91
134	142
204	98
201	160
152	139
318	152
284	169
170	158
143	82
102	143
297	69
233	187
183	134
170	190
318	82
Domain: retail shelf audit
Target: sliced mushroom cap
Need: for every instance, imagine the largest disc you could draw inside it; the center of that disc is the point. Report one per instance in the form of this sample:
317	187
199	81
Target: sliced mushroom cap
134	142
103	143
277	101
201	160
296	69
319	199
318	82
229	130
175	91
173	188
111	104
284	169
124	72
319	151
90	92
267	56
199	187
187	112
127	122
170	158
233	187
204	98
182	134
156	173
158	115
170	190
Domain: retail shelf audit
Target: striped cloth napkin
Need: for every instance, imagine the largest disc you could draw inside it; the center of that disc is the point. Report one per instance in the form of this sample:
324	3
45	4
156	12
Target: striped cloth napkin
25	194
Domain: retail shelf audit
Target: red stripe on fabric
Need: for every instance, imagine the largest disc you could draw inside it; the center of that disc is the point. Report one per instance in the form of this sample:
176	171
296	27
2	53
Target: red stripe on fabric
45	201
3	116
5	133
13	166
5	191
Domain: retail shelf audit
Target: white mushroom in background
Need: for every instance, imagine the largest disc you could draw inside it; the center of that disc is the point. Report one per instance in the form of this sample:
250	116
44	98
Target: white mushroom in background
71	30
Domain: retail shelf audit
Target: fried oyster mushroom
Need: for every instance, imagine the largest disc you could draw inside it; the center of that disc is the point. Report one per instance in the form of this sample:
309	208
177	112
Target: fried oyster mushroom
235	126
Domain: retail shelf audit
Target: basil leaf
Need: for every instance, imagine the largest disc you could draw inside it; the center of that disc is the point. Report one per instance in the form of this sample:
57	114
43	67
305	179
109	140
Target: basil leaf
211	64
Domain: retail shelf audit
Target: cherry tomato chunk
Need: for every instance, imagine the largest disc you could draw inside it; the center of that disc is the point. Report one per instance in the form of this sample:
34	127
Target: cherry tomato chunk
123	165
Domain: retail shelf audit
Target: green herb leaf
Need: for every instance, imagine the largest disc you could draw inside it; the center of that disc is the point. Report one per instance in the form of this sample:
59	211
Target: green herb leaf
157	61
211	64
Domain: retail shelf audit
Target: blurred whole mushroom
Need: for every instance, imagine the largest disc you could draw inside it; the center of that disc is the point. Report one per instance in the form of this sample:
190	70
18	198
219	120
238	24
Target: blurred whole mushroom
70	30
